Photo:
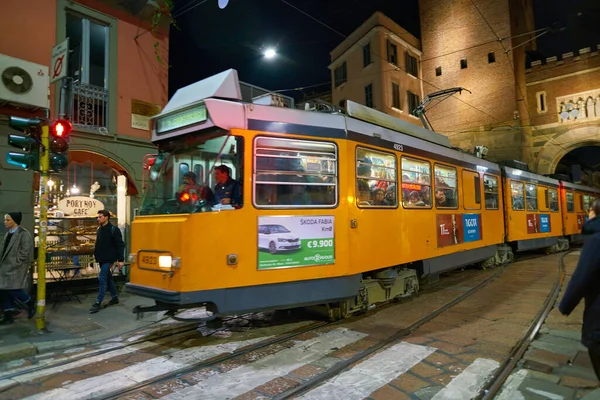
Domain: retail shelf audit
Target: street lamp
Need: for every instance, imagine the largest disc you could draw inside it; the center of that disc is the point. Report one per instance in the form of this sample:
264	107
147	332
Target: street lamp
270	53
223	4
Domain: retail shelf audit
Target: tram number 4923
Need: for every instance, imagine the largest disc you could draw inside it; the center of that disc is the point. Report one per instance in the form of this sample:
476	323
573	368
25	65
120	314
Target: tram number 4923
149	260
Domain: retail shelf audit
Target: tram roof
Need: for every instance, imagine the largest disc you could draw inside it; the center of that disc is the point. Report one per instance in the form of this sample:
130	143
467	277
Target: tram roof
220	98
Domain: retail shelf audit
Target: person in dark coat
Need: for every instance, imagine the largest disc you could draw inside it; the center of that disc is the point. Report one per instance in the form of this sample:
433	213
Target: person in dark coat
16	254
585	284
109	249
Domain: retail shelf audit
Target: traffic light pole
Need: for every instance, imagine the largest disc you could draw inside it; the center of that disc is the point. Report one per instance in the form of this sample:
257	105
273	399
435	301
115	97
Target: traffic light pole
43	229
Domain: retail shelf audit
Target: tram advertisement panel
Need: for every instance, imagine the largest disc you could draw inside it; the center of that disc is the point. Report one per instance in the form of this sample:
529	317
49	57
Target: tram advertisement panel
458	228
538	223
295	241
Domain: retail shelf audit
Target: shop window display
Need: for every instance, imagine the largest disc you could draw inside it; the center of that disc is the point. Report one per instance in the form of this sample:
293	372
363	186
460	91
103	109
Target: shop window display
75	196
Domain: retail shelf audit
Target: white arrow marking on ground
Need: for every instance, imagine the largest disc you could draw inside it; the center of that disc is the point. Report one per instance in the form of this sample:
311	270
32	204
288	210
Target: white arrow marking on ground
245	378
100	386
371	374
469	382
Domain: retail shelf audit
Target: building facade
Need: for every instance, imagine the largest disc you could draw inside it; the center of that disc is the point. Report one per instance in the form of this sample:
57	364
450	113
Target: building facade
564	104
378	65
480	45
114	83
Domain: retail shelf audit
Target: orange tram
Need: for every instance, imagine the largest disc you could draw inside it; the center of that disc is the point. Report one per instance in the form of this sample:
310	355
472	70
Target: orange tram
339	210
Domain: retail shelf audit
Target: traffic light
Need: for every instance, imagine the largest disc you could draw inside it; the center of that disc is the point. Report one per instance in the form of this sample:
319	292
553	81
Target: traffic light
59	144
29	143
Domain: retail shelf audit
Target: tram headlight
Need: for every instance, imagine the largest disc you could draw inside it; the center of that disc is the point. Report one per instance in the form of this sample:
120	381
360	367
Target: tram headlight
131	258
169	262
165	261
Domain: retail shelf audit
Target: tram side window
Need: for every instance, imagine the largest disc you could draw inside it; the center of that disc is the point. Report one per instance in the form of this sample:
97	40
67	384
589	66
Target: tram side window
416	183
587	202
294	173
553	194
531	197
570	202
376	178
490	185
446	187
517	190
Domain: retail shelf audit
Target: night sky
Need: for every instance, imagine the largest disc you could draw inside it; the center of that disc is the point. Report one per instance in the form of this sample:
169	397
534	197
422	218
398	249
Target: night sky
210	40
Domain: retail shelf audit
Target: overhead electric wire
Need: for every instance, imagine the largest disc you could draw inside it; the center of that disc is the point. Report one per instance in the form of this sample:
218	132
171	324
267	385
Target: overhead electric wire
397	66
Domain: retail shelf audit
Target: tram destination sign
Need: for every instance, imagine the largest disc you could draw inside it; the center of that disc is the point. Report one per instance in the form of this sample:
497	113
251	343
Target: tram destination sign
181	119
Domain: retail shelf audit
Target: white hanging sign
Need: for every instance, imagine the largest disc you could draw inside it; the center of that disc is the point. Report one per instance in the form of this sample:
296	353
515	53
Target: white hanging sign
80	206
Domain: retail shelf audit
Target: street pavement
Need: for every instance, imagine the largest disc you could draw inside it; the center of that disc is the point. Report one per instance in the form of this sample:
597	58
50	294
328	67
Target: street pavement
70	323
450	357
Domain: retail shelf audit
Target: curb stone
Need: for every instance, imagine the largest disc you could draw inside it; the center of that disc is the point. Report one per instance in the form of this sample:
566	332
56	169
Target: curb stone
15	351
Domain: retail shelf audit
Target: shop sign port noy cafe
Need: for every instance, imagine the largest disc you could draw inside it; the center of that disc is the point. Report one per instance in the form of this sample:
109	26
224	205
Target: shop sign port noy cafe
80	206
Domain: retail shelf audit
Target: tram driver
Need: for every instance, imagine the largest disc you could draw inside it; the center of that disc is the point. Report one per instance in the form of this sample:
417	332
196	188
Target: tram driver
190	192
227	189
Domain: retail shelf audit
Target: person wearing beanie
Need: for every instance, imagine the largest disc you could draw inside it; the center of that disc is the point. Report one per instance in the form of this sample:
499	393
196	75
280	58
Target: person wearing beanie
16	254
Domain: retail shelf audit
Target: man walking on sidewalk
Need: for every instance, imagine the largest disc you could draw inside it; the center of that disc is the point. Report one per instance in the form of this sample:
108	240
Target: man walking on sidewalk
585	284
110	248
16	253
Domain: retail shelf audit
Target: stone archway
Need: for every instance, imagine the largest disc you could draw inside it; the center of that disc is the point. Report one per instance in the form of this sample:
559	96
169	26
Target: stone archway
81	156
561	144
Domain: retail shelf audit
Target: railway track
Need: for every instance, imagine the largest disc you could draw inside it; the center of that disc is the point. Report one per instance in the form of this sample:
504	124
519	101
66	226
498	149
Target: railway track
318	379
493	386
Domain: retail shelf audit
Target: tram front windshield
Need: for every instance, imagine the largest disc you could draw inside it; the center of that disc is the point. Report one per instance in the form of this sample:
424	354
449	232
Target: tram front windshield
181	179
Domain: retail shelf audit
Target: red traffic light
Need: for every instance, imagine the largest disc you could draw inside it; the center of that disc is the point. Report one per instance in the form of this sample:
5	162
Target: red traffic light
61	128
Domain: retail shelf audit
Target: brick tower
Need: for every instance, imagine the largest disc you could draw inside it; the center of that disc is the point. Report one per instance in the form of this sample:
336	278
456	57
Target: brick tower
461	48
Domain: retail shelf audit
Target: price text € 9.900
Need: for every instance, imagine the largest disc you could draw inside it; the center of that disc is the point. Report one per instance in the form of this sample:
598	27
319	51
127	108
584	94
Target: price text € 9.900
317	244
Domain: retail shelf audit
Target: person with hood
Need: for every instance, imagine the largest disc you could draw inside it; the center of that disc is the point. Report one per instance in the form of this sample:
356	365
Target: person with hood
585	284
16	254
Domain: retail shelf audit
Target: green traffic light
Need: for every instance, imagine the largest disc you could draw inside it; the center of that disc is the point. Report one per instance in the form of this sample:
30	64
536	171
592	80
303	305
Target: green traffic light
30	160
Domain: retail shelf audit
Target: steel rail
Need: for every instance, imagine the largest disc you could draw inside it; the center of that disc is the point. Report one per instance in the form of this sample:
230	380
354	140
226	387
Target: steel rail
503	372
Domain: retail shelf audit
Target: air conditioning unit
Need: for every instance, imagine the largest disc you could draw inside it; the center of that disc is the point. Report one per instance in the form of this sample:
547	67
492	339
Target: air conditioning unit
23	83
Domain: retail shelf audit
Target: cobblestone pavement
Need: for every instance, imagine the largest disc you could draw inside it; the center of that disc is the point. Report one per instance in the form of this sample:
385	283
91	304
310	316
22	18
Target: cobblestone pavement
556	365
450	357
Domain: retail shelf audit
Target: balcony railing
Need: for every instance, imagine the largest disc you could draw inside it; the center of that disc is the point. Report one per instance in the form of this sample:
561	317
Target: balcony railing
579	106
88	106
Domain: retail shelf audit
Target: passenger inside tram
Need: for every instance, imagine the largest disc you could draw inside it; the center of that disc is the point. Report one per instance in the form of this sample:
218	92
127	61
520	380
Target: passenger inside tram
441	200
